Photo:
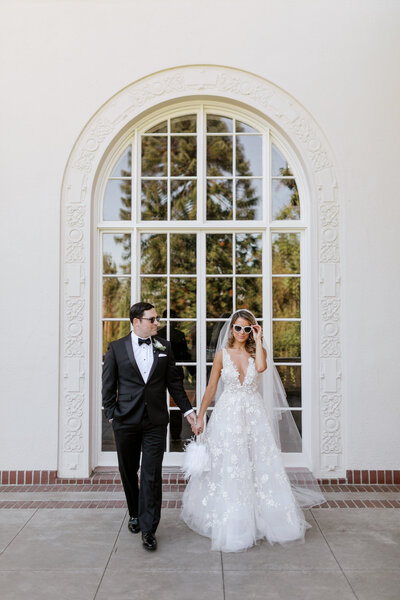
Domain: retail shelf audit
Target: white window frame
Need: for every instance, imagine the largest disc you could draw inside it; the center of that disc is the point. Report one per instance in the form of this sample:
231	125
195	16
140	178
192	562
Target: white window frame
266	225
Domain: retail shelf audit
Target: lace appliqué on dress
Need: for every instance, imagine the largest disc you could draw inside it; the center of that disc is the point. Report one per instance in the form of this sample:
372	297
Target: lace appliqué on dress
246	494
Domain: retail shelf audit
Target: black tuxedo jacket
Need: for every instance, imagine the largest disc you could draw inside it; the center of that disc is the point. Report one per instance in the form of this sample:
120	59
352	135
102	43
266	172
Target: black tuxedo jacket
125	394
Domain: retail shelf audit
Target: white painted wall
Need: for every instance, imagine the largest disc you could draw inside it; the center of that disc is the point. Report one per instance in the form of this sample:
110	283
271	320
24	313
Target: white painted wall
60	61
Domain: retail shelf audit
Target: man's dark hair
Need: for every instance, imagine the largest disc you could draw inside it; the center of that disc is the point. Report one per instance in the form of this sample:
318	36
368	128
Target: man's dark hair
137	310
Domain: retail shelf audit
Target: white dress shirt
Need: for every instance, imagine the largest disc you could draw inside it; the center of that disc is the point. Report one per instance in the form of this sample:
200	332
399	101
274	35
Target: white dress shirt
144	356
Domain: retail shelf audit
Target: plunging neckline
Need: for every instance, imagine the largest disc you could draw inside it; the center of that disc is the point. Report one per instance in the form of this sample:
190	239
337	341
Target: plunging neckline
237	370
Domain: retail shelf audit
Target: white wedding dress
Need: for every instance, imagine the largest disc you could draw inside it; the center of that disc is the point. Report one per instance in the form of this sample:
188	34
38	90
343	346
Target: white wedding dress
246	495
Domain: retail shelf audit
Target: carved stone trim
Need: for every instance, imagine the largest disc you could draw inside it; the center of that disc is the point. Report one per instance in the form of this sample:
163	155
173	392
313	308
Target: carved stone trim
182	82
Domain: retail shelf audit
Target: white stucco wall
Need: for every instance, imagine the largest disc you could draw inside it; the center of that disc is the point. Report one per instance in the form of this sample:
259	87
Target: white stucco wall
60	61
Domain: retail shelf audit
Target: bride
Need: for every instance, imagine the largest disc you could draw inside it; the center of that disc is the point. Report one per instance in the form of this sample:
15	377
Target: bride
244	494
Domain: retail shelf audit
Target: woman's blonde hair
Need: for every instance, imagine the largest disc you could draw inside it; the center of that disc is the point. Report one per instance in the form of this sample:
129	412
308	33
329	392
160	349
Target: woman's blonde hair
250	343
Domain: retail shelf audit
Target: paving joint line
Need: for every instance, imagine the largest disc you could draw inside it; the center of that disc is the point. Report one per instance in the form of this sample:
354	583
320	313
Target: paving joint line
19	531
111	553
333	554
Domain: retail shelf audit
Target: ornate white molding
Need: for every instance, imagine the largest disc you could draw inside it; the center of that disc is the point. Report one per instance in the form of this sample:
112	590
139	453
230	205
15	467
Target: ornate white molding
184	82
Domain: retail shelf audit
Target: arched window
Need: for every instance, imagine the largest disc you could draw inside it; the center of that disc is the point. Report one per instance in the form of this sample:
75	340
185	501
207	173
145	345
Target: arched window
203	211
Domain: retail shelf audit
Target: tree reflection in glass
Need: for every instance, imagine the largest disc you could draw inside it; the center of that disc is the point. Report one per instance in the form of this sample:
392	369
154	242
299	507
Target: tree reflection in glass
285	195
249	294
183	296
219	200
154	156
287	341
219	156
183	253
113	330
153	256
123	167
249	205
117	200
154	200
116	297
291	378
154	290
285	253
183	156
219	294
286	297
116	253
183	200
249	253
219	253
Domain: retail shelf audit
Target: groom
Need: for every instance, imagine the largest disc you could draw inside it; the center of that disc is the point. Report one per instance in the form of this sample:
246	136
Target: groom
138	369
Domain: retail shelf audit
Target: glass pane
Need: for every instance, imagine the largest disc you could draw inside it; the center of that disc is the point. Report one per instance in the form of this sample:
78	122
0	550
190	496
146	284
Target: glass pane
186	124
183	297
219	296
287	341
113	330
123	167
183	200
219	253
285	253
183	155
154	156
249	206
153	248
117	200
116	253
279	163
182	335
219	156
180	431
291	379
107	435
288	447
248	253
160	128
183	253
249	294
219	200
116	297
244	128
154	290
154	201
213	329
188	374
286	297
249	155
216	124
285	200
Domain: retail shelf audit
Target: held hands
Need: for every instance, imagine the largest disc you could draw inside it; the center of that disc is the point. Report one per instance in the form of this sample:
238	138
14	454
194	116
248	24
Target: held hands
195	423
198	428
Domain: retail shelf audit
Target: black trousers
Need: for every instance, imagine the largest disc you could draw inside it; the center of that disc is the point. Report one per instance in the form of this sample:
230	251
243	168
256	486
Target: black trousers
148	439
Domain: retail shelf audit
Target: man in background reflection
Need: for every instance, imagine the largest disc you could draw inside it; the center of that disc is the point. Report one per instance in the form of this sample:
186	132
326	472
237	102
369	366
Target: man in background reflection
181	353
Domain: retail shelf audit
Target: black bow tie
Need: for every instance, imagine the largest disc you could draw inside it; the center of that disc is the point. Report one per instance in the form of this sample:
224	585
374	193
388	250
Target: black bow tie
144	341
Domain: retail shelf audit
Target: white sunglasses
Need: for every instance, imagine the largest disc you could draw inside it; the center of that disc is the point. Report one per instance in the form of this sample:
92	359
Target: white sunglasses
239	329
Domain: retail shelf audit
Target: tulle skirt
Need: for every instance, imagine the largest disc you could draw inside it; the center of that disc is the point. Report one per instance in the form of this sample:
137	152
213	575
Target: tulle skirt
245	494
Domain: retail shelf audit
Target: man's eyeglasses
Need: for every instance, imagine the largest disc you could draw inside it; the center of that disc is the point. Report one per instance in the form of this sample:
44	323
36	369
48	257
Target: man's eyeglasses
152	319
239	328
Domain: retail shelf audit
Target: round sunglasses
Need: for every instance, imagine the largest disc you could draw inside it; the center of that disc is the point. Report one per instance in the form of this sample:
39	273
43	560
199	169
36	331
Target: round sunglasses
239	328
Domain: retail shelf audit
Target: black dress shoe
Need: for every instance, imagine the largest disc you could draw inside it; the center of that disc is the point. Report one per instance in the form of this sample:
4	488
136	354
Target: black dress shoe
149	541
133	525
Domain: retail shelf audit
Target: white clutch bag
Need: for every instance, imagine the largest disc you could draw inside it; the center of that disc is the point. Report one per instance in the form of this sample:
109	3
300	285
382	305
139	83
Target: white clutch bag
196	459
